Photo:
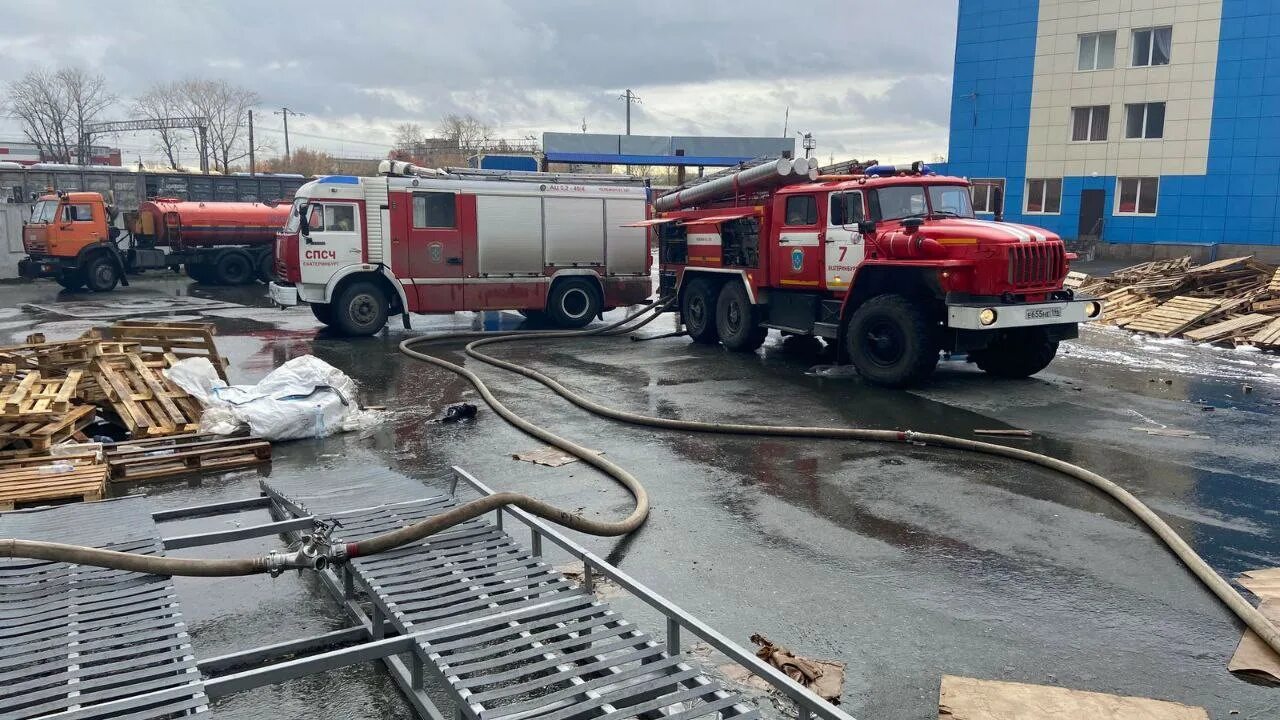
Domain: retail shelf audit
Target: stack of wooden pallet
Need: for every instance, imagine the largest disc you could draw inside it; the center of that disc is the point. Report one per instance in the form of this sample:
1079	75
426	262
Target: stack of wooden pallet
1235	301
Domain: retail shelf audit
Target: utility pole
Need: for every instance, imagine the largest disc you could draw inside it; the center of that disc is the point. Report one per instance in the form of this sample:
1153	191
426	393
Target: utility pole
630	97
786	121
251	163
807	142
285	113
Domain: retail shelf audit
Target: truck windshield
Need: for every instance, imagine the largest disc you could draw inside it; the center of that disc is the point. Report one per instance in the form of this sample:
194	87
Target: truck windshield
44	211
291	225
909	201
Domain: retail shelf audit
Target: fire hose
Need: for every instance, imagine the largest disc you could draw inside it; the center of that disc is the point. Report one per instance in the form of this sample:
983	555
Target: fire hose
316	553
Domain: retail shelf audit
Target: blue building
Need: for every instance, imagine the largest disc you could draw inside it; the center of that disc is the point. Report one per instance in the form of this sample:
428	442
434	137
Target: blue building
1149	126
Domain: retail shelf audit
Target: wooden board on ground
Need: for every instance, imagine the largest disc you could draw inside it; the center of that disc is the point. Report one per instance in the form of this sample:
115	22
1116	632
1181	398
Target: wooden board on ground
182	455
964	698
40	435
1253	656
1175	315
1075	280
180	340
36	484
146	401
1267	337
1226	328
1274	285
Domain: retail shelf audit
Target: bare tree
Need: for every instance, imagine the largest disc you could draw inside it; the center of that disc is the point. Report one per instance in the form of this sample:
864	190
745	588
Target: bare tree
408	135
164	100
55	107
467	132
227	108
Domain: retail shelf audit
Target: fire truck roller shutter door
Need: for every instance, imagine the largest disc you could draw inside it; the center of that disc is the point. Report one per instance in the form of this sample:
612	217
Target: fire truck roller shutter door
509	235
574	229
626	249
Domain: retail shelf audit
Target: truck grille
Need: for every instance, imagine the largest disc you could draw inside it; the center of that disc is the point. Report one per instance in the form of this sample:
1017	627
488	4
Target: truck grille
1037	264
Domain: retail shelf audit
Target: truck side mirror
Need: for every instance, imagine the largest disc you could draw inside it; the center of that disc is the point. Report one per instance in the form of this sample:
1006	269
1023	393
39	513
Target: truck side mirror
867	227
303	224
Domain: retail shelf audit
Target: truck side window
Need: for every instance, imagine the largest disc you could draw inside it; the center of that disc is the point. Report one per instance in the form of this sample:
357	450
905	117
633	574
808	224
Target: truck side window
802	210
340	218
315	221
77	213
846	209
434	210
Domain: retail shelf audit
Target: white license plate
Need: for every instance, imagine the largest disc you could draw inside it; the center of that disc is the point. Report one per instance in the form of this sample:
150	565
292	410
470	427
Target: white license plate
1043	313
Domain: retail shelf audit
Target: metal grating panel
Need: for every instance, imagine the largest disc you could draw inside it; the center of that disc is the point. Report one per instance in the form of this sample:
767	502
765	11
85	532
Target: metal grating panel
375	198
80	642
511	636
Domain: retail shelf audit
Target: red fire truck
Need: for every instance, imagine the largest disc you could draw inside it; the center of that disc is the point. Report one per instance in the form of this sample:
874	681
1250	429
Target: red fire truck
416	240
889	263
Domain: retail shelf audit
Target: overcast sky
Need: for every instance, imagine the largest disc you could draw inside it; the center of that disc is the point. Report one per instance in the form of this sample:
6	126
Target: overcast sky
869	78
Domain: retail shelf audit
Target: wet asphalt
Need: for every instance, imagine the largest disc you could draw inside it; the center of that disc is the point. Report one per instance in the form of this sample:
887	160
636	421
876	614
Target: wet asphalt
905	563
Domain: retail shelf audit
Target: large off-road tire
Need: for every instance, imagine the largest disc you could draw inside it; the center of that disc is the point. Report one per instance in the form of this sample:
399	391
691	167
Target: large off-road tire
697	312
737	321
71	280
891	342
234	268
199	273
1017	353
573	303
266	269
101	273
323	312
360	309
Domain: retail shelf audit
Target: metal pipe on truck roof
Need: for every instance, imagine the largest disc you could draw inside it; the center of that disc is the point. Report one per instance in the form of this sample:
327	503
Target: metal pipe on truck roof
761	177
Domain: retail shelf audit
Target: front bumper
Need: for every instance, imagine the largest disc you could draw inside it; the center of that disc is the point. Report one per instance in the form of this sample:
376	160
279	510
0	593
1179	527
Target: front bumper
283	295
968	316
40	267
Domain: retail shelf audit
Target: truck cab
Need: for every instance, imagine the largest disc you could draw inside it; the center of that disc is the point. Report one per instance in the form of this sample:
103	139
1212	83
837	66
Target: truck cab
69	238
890	264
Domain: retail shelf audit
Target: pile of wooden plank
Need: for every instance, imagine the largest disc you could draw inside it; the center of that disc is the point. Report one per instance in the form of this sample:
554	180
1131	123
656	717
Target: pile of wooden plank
1235	301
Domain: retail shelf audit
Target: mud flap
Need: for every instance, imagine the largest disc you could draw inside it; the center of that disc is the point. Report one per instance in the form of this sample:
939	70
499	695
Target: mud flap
124	276
404	318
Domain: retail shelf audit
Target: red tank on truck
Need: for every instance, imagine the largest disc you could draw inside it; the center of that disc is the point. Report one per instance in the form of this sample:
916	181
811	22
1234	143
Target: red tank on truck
562	248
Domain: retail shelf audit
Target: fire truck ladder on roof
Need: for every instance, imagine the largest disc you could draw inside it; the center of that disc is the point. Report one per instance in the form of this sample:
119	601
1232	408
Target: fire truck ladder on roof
528	176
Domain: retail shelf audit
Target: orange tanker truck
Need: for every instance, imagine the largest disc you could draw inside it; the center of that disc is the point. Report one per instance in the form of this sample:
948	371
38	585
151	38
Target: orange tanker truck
76	238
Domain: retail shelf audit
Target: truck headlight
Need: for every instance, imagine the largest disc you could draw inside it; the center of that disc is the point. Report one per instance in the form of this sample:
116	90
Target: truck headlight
987	316
1093	309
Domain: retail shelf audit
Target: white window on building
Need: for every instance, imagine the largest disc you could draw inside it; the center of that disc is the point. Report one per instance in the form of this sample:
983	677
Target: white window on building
1090	123
1097	51
1137	196
1151	46
988	194
1144	120
1044	196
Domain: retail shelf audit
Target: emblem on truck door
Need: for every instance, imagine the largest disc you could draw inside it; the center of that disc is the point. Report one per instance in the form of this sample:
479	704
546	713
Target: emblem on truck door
797	259
436	252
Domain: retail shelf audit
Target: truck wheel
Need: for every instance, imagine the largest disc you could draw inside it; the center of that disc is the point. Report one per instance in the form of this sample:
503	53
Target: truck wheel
890	341
101	274
1017	353
361	309
71	280
697	312
233	268
267	267
573	303
737	323
199	273
323	312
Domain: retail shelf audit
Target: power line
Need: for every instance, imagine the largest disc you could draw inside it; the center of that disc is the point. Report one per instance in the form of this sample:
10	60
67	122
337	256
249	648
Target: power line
630	97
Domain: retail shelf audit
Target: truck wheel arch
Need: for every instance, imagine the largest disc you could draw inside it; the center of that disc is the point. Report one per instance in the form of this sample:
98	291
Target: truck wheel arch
376	273
561	275
868	282
719	276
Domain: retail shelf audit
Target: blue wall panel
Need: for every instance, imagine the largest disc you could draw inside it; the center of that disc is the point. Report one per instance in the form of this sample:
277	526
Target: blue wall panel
1237	201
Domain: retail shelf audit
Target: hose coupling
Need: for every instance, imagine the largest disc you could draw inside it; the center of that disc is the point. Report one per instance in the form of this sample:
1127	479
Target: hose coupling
312	552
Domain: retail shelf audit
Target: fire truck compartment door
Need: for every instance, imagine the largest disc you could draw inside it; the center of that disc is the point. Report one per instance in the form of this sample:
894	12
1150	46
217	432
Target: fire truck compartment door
435	241
574	230
509	235
845	250
627	250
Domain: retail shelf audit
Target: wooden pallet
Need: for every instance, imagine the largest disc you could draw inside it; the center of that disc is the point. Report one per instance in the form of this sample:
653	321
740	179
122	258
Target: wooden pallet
1268	337
1075	280
146	401
29	482
35	398
1274	285
1175	315
183	455
41	435
1125	304
1155	267
179	340
1227	328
